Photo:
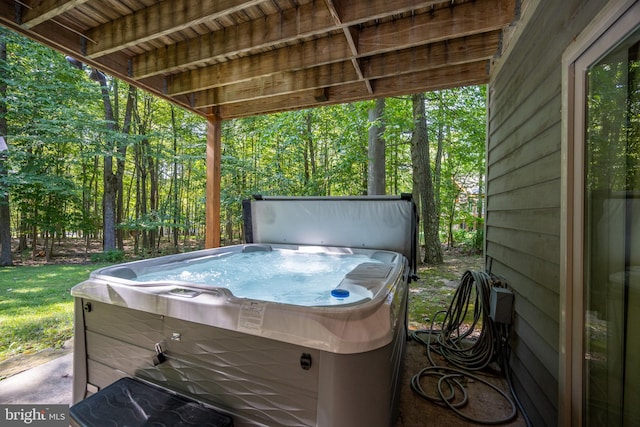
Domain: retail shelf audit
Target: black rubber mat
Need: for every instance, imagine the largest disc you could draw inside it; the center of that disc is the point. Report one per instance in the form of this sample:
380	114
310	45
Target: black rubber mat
131	403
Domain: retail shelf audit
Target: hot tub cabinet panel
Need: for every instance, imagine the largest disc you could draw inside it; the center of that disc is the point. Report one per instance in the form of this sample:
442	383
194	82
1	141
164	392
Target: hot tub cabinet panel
259	380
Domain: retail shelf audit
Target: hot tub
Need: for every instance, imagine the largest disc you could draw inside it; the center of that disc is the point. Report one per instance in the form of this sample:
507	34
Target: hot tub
278	332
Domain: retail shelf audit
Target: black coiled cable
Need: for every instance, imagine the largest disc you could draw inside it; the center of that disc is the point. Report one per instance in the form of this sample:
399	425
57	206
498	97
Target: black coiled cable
452	341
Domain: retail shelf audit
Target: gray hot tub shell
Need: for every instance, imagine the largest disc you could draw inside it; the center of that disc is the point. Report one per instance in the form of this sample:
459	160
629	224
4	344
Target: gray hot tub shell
264	363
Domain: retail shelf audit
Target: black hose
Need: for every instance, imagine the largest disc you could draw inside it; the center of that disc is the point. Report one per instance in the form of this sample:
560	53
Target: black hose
452	341
506	355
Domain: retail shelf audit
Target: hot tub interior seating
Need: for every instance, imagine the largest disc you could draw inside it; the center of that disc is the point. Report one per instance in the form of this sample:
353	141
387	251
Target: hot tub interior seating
261	355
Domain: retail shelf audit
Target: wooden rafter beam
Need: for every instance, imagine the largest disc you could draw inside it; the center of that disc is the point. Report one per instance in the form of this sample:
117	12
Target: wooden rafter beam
293	101
277	84
161	19
321	51
47	33
281	28
436	79
46	10
351	37
453	22
257	34
359	11
441	78
297	79
437	55
371	40
458	51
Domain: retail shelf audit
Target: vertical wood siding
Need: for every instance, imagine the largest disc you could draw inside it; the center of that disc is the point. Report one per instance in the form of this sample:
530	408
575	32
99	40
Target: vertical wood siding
523	194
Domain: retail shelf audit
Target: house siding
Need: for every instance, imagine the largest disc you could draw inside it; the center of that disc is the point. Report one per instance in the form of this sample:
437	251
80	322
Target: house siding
523	193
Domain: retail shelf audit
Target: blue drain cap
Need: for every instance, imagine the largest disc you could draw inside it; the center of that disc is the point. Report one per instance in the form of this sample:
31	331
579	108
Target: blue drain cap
339	293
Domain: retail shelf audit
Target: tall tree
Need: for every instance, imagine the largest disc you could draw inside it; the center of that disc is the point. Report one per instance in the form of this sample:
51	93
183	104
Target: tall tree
176	206
439	150
116	147
310	167
5	212
423	182
376	172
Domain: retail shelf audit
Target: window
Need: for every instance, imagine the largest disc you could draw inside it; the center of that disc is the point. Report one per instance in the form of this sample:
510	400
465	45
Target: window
612	238
602	218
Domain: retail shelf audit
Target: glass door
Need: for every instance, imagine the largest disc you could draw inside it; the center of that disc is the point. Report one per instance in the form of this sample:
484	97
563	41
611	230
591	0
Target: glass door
611	254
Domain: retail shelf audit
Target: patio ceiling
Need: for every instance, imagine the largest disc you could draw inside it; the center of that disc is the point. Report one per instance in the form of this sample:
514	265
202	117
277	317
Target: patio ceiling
236	58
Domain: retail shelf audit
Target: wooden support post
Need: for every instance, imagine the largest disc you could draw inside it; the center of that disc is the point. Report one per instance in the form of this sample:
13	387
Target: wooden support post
214	155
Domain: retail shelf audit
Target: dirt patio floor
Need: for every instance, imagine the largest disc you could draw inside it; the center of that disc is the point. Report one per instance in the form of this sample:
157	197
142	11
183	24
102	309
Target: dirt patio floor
483	402
415	411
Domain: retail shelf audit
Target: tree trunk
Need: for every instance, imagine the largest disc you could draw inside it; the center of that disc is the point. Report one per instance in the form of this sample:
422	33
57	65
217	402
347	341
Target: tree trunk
437	178
228	230
96	200
110	184
47	251
138	202
22	236
132	95
452	214
5	213
34	238
176	205
142	200
111	202
310	166
376	183
153	198
424	183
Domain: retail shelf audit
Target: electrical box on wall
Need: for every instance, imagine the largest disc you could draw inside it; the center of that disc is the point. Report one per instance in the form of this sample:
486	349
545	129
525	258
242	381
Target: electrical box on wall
500	305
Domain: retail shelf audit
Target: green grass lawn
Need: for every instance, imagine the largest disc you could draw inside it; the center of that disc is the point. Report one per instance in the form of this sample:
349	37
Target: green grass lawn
36	307
436	287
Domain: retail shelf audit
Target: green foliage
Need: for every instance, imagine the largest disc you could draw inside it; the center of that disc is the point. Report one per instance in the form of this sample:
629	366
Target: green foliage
43	140
308	152
477	243
111	256
613	121
470	240
58	142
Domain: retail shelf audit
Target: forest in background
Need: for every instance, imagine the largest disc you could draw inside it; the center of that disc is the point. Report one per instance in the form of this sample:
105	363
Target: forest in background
78	141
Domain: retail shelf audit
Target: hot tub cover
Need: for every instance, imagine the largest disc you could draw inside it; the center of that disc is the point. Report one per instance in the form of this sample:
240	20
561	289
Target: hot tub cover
371	222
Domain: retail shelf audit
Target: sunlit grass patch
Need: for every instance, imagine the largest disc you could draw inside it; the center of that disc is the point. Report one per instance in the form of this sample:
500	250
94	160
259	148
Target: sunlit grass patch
36	306
436	288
